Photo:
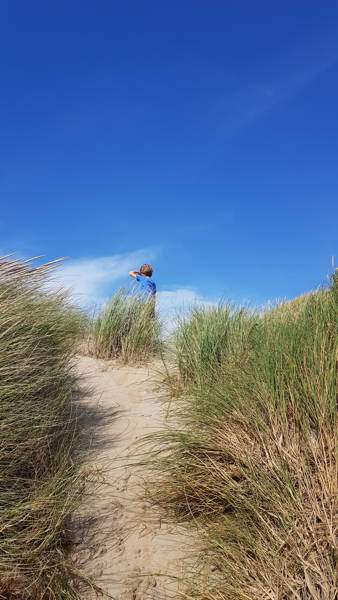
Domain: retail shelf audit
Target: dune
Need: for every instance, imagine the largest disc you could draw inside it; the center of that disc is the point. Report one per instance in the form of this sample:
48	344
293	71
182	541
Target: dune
121	542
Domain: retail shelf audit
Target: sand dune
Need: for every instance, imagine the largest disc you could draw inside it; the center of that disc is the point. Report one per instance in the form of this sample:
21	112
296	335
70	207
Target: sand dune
121	542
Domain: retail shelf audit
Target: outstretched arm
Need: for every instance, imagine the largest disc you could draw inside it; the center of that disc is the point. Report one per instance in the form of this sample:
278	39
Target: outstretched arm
134	273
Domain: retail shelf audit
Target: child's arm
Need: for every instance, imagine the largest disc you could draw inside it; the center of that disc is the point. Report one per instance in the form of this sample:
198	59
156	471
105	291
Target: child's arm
134	273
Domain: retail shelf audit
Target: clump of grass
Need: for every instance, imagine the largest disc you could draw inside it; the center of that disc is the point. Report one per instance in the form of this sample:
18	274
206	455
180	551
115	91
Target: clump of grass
127	328
255	464
207	340
39	483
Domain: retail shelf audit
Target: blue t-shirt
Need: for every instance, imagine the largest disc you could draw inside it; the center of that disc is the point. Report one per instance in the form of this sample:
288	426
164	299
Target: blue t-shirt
147	285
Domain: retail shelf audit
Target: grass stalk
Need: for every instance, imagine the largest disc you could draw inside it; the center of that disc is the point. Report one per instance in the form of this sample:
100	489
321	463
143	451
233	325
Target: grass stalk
39	483
254	463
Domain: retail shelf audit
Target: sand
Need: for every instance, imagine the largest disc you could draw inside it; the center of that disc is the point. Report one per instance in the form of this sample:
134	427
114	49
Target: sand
121	541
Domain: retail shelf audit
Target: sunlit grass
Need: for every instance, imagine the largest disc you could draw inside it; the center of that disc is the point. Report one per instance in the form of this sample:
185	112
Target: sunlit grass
39	483
254	465
127	328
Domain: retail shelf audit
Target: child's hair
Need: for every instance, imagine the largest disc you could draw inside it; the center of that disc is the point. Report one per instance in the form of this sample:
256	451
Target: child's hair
146	270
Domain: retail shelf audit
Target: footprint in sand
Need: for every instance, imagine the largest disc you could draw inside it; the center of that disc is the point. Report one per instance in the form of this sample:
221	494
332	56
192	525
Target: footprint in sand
130	542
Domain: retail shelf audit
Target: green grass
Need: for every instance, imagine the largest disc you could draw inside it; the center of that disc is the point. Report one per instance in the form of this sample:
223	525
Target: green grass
204	344
39	483
254	465
127	329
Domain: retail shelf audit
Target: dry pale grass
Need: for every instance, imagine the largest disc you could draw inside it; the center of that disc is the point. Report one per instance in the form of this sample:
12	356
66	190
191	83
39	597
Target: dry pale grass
255	464
127	329
39	483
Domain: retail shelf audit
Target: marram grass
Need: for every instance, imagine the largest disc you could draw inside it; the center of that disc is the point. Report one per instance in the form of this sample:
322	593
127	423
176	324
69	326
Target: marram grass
254	466
39	484
127	328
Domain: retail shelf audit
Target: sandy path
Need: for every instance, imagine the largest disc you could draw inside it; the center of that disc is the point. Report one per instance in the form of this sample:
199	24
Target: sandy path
121	542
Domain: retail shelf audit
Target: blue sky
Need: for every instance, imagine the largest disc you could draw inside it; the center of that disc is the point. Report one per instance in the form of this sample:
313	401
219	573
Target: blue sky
201	137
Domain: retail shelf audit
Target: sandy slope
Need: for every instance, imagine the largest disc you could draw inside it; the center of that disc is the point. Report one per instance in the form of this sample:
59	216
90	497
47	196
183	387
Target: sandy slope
121	542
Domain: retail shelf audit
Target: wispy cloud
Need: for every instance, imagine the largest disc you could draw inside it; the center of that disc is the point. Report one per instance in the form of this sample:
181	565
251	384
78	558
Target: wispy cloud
242	106
90	281
176	304
182	298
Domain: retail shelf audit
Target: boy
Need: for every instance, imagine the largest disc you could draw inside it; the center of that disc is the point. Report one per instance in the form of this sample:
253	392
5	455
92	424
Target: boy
147	284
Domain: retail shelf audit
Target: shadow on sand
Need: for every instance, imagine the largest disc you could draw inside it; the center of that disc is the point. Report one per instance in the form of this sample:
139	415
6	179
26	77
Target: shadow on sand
89	533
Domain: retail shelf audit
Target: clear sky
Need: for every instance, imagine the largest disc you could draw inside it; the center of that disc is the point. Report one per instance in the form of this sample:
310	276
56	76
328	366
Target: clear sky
199	136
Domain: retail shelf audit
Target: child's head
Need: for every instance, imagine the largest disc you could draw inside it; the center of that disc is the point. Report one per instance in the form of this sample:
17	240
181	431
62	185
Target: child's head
146	270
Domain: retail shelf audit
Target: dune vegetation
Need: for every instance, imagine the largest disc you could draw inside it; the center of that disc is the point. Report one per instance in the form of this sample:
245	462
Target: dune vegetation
127	328
39	483
253	466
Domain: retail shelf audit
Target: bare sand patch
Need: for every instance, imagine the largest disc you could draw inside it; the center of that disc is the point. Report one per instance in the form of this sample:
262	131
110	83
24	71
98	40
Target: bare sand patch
122	544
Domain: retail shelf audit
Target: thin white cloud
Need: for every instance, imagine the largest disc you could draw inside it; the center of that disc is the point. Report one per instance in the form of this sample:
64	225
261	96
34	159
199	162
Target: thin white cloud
90	281
180	301
242	106
174	305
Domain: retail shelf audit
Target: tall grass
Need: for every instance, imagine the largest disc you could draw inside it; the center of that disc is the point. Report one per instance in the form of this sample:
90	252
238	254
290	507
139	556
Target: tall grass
255	464
127	328
204	344
39	484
